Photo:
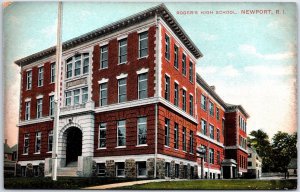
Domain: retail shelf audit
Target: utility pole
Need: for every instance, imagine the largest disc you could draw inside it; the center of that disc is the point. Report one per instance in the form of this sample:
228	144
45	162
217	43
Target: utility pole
57	91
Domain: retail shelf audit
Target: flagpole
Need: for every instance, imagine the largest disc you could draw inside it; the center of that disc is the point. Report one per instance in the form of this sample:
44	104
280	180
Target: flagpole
57	90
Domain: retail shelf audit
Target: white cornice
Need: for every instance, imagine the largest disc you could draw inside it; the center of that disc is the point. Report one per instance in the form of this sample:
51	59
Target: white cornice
33	121
122	37
143	30
143	70
209	139
39	97
27	99
103	80
122	75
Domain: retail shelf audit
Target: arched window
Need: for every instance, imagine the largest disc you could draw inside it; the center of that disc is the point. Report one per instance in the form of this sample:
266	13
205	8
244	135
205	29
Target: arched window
77	65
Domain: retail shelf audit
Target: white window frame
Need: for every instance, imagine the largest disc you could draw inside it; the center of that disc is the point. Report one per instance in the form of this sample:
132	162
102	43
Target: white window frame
117	168
138	130
139	88
211	108
204	105
26	147
102	52
167	87
176	94
38	137
50	135
176	49
119	85
121	46
76	95
41	76
102	174
68	97
211	156
100	95
203	124
138	168
51	105
29	80
191	104
211	131
184	100
72	61
191	71
39	108
102	127
184	139
167	47
83	93
183	63
27	110
118	137
191	142
52	72
167	132
140	40
176	136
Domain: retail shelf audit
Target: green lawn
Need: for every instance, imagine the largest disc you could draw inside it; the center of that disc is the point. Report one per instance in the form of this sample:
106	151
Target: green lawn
61	183
218	185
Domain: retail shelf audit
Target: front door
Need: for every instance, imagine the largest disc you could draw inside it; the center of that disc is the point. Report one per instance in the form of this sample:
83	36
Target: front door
74	146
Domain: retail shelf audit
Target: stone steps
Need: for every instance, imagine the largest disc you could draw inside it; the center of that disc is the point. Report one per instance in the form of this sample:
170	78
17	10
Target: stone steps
67	171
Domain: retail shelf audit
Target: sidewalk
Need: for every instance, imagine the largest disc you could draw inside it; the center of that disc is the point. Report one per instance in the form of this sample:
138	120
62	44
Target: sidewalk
115	185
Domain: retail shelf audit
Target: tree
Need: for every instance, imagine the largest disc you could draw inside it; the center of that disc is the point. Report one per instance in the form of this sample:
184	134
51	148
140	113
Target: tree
284	148
259	140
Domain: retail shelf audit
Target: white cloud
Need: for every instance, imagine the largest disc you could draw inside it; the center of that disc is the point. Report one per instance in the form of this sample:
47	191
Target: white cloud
250	49
208	36
271	70
227	71
230	55
50	30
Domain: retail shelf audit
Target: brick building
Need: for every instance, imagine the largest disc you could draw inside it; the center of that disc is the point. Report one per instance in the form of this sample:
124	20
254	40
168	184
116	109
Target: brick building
131	105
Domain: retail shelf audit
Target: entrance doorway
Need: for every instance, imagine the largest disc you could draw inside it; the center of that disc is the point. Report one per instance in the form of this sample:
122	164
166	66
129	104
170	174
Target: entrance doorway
74	146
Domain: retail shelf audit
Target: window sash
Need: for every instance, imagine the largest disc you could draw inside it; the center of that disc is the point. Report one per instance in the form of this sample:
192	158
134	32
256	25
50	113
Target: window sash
50	140
38	142
76	96
120	167
41	76
27	110
104	57
167	87
203	127
51	105
184	100
29	80
184	64
175	56
176	94
167	47
143	44
191	72
142	130
103	94
68	98
184	139
191	142
85	94
122	89
122	51
203	102
167	132
26	144
176	136
211	131
52	73
39	108
121	133
191	105
102	135
143	86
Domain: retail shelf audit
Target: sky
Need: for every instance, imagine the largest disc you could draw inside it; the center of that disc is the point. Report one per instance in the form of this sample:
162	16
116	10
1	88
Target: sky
251	59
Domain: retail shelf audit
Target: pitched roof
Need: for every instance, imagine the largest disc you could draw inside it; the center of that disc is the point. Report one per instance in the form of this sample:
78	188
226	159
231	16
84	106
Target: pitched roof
160	10
7	149
231	107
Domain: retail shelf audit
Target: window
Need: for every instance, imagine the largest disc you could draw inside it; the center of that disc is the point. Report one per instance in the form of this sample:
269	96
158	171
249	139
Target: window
191	142
205	154
218	135
167	132
143	86
203	127
167	87
104	57
39	105
249	155
85	63
211	156
102	135
211	108
85	95
120	167
167	48
68	98
51	105
141	168
142	130
191	105
80	63
176	94
26	143
184	139
121	133
122	90
143	44
249	163
176	136
29	80
52	73
218	158
203	102
191	74
41	76
184	64
69	67
211	131
77	65
122	51
50	140
175	56
218	113
183	99
101	169
27	110
38	142
76	95
167	169
103	94
223	126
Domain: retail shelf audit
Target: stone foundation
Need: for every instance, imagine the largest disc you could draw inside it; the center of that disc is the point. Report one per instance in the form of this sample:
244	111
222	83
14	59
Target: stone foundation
150	167
110	168
130	168
160	168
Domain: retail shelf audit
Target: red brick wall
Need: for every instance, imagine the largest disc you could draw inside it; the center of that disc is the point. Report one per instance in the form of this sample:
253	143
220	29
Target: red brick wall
202	114
201	141
231	129
131	115
44	127
133	64
244	163
35	91
168	67
182	122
